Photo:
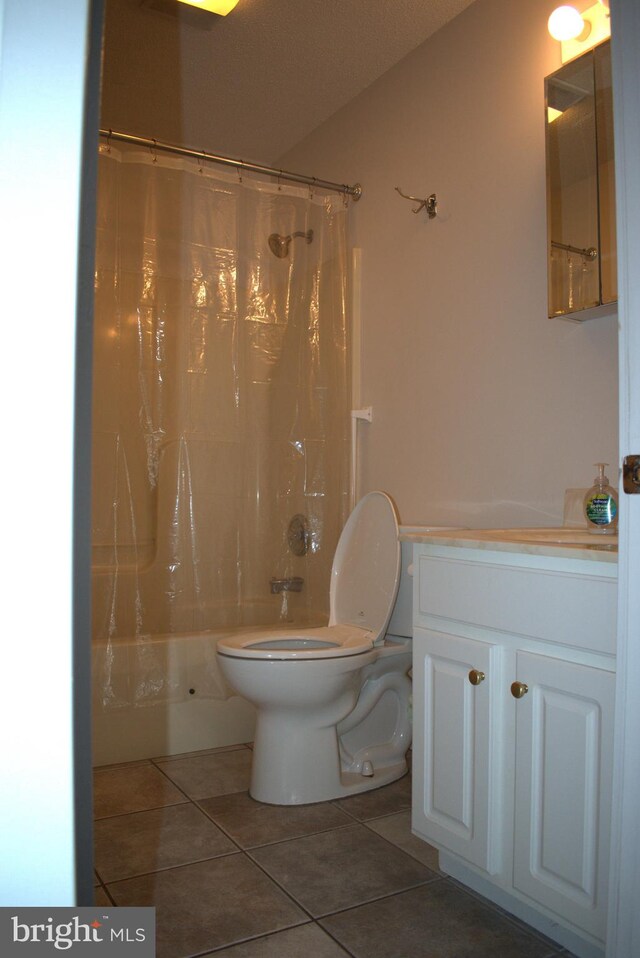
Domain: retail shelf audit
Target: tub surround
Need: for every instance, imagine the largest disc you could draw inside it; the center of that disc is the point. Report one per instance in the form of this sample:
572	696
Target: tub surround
514	677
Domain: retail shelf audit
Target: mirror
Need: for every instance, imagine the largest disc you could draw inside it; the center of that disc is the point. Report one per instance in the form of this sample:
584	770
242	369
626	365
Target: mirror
581	187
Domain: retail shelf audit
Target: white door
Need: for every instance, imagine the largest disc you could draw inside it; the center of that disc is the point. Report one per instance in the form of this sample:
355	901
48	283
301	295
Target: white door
457	746
623	939
564	736
43	93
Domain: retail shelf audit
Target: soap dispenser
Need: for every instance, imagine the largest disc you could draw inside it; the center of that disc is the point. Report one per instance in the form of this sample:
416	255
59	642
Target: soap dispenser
601	505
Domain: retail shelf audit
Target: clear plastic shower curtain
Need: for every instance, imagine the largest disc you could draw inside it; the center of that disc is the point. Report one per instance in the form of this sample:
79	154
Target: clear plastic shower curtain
221	411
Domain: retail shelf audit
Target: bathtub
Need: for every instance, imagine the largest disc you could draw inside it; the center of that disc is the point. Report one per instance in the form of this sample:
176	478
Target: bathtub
163	695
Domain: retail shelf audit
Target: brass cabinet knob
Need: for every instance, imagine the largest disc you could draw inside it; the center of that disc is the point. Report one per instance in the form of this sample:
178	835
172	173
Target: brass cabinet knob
476	676
518	689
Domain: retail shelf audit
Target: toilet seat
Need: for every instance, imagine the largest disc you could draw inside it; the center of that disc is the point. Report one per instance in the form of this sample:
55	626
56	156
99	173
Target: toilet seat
364	583
327	642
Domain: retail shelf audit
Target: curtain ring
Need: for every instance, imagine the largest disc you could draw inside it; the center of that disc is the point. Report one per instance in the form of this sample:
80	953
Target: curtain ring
108	146
311	185
279	184
239	172
152	150
203	154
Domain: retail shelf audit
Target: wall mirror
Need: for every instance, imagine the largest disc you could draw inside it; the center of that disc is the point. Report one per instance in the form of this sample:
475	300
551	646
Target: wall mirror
582	275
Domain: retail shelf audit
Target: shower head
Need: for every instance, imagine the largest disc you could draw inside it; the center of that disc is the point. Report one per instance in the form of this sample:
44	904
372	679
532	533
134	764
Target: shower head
279	245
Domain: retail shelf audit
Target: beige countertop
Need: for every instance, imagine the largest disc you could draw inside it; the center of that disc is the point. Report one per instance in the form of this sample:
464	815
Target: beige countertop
562	542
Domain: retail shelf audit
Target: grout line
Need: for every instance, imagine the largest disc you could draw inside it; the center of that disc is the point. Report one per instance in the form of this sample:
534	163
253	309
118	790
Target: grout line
136	811
199	753
370	901
115	765
399	848
318	831
326	931
168	868
244	941
107	893
218	825
278	885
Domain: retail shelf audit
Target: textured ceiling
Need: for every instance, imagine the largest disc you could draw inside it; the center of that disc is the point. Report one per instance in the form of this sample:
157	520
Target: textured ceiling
259	80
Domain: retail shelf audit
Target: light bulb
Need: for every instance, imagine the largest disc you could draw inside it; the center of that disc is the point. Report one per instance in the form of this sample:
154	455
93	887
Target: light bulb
221	7
565	23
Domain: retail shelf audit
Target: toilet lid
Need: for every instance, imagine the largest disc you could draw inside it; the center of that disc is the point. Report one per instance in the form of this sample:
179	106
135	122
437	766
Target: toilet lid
366	567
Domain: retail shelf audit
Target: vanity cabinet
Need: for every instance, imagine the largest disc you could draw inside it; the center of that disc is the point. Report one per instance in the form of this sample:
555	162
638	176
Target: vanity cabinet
516	791
581	226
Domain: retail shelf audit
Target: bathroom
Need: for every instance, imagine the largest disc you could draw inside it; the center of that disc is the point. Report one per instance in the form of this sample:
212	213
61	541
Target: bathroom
457	321
429	317
431	321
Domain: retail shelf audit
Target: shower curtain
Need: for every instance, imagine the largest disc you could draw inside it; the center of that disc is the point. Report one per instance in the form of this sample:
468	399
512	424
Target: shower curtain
221	411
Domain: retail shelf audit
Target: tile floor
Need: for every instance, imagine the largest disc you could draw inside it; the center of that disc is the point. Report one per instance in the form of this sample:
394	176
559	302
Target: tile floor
242	880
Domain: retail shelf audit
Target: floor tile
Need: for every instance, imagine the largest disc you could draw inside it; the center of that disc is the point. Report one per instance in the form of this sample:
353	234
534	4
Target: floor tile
436	920
131	788
305	940
202	751
337	869
215	773
251	823
142	842
209	905
379	801
100	897
397	830
552	946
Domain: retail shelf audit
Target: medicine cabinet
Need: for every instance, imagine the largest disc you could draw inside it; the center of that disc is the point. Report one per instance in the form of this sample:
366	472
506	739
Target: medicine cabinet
581	224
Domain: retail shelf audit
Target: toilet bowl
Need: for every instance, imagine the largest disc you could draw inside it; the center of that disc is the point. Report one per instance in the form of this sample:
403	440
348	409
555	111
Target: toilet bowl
332	703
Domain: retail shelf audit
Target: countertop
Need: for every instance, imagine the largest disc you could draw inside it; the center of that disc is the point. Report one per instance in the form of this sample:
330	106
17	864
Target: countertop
562	542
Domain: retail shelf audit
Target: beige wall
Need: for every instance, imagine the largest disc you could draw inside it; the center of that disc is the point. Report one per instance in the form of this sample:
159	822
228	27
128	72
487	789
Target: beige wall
484	409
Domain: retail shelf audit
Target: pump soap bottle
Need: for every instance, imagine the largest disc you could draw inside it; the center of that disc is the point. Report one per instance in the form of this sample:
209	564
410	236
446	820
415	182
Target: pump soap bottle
601	505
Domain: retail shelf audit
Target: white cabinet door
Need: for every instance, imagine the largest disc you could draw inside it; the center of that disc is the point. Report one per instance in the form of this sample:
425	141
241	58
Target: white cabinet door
456	774
564	736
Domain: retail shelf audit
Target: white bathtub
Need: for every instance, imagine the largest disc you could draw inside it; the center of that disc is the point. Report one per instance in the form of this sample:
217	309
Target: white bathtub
163	695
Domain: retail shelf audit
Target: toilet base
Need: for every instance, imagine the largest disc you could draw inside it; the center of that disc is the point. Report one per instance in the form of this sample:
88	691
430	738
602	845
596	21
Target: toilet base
352	738
349	783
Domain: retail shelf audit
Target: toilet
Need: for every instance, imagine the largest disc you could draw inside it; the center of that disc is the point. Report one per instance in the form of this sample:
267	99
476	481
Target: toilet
332	703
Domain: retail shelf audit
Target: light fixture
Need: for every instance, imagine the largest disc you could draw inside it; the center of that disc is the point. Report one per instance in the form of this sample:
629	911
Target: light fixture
565	23
221	7
202	14
577	32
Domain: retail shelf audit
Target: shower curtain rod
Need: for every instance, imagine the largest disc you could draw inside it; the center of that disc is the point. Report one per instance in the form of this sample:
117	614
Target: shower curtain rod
354	191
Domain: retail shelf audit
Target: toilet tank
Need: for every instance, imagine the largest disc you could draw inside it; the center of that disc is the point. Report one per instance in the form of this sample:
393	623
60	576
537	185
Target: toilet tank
400	622
402	616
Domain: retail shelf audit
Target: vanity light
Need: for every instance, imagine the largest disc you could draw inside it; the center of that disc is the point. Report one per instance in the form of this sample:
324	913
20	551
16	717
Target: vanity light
221	7
565	23
577	32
